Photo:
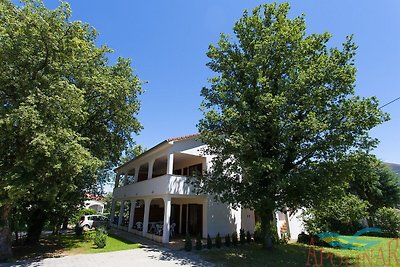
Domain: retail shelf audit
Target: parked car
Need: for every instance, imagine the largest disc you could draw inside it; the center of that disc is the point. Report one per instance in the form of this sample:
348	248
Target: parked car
92	221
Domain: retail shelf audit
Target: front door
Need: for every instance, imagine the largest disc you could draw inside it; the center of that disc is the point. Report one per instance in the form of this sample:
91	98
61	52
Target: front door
195	219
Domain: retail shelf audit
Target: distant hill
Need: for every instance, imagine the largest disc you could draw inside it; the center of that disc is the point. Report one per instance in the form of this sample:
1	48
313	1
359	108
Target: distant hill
394	166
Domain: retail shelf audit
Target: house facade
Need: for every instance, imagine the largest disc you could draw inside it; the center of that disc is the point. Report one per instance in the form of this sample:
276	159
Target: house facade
153	198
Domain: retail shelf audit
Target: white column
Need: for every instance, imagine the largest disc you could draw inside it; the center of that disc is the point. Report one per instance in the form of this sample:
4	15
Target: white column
121	213
112	215
136	174
146	216
150	171
170	163
180	218
205	225
131	214
117	178
167	215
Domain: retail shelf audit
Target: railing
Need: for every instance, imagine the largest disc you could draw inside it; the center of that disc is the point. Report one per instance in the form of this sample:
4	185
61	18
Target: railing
162	185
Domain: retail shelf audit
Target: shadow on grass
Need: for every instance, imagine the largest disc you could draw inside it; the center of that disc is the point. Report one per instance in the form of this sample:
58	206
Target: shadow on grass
281	256
51	246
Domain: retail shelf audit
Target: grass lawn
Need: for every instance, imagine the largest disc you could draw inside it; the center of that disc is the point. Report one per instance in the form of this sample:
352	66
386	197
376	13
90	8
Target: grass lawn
302	255
70	244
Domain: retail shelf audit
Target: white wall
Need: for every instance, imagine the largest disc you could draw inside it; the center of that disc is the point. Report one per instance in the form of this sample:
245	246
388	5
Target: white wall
222	219
248	220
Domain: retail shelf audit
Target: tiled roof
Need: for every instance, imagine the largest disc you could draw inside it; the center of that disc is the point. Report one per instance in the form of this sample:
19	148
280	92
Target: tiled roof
182	137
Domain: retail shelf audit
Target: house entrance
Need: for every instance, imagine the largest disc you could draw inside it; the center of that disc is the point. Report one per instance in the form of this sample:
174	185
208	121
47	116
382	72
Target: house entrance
192	219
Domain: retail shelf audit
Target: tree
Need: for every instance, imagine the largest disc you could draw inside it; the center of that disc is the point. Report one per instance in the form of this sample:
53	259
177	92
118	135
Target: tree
281	117
66	112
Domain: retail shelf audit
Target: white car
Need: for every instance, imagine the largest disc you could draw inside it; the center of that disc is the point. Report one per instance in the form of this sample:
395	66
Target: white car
93	221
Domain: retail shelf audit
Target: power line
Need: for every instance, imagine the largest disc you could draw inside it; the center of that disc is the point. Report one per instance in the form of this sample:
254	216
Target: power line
390	102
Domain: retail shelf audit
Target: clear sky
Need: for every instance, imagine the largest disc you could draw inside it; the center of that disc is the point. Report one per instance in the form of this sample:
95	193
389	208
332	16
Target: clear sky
168	41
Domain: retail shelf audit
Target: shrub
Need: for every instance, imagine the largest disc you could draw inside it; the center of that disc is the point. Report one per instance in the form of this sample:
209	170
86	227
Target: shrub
199	245
342	215
77	215
209	242
188	243
388	219
228	240
78	230
242	237
234	239
303	238
257	233
248	237
100	238
218	241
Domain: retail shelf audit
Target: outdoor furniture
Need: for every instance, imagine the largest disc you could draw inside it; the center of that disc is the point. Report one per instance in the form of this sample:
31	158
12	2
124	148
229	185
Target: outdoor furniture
172	230
139	226
159	229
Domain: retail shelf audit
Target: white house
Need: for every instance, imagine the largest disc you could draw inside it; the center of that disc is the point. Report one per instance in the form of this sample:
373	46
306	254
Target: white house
152	196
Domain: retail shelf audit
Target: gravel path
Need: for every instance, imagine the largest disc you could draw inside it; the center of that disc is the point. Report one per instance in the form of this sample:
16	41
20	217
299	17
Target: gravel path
148	256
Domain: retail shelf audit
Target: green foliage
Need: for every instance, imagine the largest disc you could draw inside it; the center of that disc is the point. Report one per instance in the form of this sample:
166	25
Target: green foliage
218	241
76	217
248	237
66	112
257	233
228	240
209	242
281	115
242	237
340	215
388	219
199	244
100	238
234	239
188	243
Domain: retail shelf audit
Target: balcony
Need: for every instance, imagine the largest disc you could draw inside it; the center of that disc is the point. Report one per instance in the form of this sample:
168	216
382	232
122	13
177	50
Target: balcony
163	185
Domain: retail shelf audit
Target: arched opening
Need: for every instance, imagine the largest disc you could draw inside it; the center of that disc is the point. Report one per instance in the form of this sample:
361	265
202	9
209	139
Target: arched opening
143	172
160	166
138	216
156	216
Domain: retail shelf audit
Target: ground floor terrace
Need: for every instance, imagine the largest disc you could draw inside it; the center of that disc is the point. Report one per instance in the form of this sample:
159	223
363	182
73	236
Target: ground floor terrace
161	218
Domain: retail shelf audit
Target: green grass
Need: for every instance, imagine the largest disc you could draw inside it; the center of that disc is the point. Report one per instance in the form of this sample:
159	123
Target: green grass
85	244
70	244
299	255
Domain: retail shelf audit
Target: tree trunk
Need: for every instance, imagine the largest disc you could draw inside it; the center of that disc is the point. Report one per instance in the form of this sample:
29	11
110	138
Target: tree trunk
35	227
267	222
5	233
65	223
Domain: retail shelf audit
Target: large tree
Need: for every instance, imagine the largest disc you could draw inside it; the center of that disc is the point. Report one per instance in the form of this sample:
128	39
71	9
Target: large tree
65	111
281	116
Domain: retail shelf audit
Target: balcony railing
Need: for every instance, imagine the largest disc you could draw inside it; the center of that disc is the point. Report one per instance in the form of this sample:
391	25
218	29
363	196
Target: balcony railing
162	185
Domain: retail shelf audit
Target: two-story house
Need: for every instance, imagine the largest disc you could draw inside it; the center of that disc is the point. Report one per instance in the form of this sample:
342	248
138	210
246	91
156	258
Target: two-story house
152	196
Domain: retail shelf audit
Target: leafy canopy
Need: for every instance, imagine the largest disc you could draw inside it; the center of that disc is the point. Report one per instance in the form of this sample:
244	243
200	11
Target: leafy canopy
281	116
65	111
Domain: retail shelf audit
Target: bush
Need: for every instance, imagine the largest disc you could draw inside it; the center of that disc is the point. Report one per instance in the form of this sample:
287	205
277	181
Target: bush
242	237
303	238
100	238
209	242
218	241
388	219
257	233
199	245
188	243
78	229
228	240
248	237
341	215
234	239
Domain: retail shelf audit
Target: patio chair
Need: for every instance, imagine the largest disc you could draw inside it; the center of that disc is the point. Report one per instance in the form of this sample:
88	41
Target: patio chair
139	226
159	229
172	230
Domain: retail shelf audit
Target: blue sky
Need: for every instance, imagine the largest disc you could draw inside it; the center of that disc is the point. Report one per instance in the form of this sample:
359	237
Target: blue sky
168	40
